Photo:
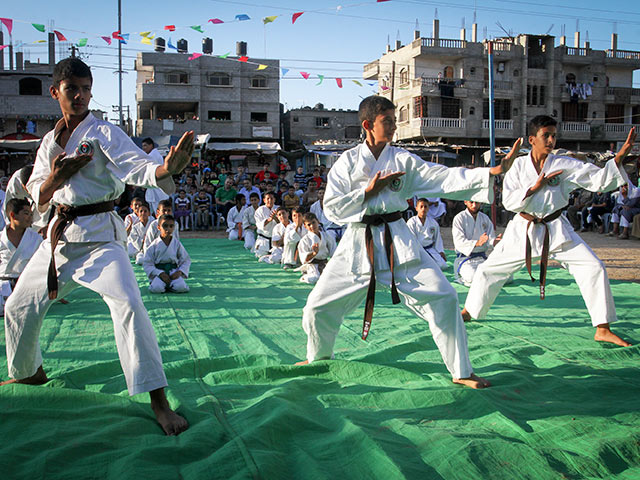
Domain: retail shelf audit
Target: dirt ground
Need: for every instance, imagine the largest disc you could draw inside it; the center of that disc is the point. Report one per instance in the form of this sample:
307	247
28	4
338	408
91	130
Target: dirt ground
621	257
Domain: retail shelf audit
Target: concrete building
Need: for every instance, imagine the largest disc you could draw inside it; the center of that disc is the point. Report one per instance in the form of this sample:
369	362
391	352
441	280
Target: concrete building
227	99
440	88
306	125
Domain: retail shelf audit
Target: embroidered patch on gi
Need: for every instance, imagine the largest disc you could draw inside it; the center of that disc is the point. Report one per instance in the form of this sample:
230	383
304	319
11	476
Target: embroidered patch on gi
85	148
396	185
432	231
484	226
555	181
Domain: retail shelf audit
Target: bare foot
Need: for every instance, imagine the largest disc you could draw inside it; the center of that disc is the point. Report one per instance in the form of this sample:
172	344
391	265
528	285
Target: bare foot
604	334
170	421
302	362
38	378
473	381
466	316
63	301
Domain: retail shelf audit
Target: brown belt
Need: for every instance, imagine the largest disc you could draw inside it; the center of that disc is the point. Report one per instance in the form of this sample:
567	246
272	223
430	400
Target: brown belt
67	214
544	258
377	220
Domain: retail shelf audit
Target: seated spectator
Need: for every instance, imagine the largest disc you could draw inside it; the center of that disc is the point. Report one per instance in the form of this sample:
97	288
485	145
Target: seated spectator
427	231
298	191
265	174
249	221
437	209
265	222
328	226
277	237
247	189
280	181
164	208
135	241
131	219
292	236
202	210
310	196
240	177
314	250
225	197
316	178
234	218
182	209
166	262
284	189
300	178
623	212
592	214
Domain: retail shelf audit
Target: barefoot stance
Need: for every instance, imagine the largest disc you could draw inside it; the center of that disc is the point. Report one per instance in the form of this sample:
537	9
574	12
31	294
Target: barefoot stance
604	334
170	421
302	362
38	378
466	316
473	381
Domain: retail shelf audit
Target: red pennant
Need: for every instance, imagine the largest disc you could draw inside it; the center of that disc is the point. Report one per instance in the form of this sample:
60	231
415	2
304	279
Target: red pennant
7	22
107	39
295	17
382	1
117	35
171	28
215	20
339	82
60	36
243	59
305	75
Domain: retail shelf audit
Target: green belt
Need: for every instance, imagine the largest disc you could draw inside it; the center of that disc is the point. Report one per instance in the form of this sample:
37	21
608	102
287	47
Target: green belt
166	267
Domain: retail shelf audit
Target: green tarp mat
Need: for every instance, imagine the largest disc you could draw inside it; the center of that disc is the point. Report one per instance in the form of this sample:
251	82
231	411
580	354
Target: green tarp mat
561	407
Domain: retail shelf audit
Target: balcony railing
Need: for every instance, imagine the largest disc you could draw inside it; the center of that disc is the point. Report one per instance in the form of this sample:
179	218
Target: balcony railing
619	127
500	47
499	124
438	122
623	54
578	52
623	91
575	127
435	81
443	43
500	85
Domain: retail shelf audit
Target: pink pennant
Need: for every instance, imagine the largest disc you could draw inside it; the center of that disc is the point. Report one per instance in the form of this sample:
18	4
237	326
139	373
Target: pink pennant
384	87
194	56
117	35
379	1
339	82
107	39
171	28
60	36
295	17
2	47
215	20
243	59
305	75
7	22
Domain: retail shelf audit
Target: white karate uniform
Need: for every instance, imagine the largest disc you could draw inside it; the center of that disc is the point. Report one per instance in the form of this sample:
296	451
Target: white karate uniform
174	253
15	189
135	240
422	286
130	220
234	217
438	210
249	219
428	234
326	248
154	196
153	232
336	231
565	245
91	253
466	232
264	229
14	259
292	237
275	254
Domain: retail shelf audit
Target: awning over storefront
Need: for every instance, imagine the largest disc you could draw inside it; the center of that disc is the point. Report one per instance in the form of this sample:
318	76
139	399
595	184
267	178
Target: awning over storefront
268	148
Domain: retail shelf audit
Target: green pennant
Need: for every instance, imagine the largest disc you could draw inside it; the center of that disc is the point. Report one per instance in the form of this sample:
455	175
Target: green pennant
82	42
225	55
321	78
38	26
197	28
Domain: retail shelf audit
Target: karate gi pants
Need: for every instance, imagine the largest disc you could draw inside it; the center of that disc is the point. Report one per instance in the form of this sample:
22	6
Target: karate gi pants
249	239
104	268
423	289
576	256
179	285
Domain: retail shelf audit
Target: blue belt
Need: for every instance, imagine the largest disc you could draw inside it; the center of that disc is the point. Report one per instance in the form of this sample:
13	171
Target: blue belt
468	257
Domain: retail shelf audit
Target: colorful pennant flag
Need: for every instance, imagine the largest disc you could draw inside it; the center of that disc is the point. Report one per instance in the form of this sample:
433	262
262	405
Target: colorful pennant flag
2	47
243	59
194	56
170	45
295	17
171	28
146	41
215	20
242	16
124	38
38	26
380	1
225	55
40	41
321	77
305	75
116	35
197	28
357	83
60	36
266	20
145	34
284	71
82	42
107	39
339	82
384	87
261	67
7	22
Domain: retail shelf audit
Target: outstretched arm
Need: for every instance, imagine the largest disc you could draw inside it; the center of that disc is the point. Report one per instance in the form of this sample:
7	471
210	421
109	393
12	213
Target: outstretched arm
178	157
507	161
626	148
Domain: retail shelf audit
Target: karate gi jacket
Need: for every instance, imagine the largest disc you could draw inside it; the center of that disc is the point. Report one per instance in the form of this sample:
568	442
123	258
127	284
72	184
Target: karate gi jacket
326	246
14	259
466	232
158	252
428	234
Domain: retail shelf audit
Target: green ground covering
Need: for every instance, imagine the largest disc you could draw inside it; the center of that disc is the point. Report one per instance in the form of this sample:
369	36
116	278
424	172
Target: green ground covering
562	406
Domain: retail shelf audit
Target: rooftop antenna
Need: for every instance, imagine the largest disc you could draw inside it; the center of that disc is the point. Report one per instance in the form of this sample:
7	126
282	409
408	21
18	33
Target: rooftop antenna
417	25
463	24
509	33
549	29
563	30
436	15
484	32
615	27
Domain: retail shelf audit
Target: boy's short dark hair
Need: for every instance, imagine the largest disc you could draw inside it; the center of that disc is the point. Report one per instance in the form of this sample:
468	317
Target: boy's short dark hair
422	199
166	216
539	122
165	203
239	197
70	67
266	194
254	195
281	209
309	217
16	204
146	205
148	141
299	210
373	106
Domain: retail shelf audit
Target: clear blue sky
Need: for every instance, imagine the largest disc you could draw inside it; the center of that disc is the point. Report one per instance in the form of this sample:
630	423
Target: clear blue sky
332	38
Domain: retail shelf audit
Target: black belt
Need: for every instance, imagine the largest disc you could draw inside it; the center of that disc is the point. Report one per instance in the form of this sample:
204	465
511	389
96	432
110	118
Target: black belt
377	220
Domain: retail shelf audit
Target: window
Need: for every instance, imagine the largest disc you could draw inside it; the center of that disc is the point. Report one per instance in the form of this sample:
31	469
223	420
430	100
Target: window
404	76
541	96
574	112
420	107
516	72
502	109
322	122
181	78
472	70
352	131
614	113
30	86
472	110
296	119
219	79
403	115
259	81
258	117
448	72
219	115
450	107
535	95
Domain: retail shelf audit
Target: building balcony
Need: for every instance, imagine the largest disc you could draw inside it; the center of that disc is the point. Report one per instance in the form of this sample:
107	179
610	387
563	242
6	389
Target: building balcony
574	130
443	47
431	86
618	131
371	70
501	49
159	92
622	95
574	55
623	55
155	127
436	123
499	124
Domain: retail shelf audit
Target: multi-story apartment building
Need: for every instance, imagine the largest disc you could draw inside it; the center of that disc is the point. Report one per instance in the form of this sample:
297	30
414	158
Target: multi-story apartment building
306	125
230	100
440	89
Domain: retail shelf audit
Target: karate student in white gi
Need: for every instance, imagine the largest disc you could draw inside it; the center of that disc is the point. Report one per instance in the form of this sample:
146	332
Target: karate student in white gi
18	243
82	166
367	190
153	195
292	236
336	231
165	207
314	249
16	188
473	239
234	218
537	188
249	221
132	218
166	262
277	237
265	217
135	240
427	231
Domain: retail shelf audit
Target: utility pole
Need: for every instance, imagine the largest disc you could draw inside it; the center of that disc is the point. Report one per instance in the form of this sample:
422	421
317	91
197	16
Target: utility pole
120	64
74	49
